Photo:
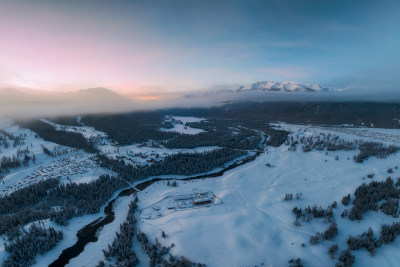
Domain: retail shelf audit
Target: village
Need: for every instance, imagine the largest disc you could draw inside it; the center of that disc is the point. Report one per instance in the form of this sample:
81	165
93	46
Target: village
64	169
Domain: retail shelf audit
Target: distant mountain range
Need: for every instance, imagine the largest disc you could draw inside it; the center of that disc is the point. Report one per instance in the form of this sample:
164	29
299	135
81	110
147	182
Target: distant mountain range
36	103
268	86
283	87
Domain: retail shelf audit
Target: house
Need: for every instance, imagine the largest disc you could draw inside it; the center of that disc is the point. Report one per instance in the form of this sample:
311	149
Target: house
203	198
202	201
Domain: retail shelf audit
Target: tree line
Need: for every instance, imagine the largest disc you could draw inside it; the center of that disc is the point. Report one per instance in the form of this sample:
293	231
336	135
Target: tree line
64	138
368	241
120	250
35	202
367	197
21	158
177	164
129	128
36	240
367	114
17	140
333	143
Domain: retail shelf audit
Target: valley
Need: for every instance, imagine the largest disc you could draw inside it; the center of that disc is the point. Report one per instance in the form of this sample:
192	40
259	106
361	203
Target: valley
244	205
209	133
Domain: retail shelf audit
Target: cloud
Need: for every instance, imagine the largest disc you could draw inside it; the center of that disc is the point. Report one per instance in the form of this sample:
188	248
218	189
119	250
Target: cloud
29	104
18	104
291	73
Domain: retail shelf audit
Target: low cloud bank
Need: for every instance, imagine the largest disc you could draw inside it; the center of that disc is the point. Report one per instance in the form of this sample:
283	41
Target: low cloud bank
20	105
16	104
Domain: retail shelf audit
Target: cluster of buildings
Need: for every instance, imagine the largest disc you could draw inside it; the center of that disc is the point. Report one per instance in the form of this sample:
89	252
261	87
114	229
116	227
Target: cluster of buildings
62	168
179	202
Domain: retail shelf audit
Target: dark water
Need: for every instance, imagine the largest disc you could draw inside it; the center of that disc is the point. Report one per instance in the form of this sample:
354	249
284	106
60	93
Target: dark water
88	233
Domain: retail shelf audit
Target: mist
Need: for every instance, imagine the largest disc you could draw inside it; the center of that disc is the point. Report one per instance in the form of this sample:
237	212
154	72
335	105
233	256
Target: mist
26	105
33	104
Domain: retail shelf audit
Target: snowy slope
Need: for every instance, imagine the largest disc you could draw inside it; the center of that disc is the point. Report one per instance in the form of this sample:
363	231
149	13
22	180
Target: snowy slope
256	92
285	86
180	125
254	225
385	136
139	155
72	166
86	131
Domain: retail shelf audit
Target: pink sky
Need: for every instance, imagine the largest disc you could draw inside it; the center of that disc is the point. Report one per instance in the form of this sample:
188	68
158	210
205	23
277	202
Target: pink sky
58	47
48	52
151	48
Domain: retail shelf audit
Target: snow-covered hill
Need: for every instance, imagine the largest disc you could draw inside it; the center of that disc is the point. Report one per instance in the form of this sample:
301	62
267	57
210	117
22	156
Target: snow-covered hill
254	225
256	90
286	86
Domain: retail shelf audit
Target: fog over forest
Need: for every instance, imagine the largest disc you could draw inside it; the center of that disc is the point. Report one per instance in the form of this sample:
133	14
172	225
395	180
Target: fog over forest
34	103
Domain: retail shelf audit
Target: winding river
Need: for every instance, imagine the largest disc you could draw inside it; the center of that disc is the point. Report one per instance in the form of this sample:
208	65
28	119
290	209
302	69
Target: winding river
88	233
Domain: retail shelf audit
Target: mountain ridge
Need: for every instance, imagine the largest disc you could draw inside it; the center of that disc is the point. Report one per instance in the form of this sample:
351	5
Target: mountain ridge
285	86
267	86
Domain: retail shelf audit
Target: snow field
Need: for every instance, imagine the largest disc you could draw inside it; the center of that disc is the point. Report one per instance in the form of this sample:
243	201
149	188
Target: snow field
182	127
254	224
86	131
385	136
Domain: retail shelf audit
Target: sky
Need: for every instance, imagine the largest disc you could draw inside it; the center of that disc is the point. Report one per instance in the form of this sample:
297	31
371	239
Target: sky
152	48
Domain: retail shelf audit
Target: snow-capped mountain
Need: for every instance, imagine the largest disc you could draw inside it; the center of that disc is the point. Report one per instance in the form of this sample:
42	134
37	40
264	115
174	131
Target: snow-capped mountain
259	87
283	87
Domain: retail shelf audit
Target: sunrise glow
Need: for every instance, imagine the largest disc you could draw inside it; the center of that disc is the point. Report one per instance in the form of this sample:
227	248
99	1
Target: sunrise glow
186	45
